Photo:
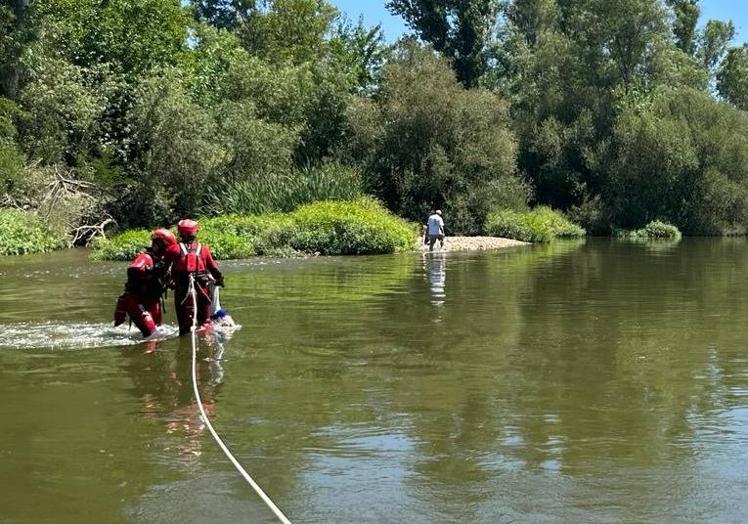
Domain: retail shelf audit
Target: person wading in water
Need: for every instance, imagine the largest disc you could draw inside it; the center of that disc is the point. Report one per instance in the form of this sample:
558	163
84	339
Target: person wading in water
189	257
145	286
436	230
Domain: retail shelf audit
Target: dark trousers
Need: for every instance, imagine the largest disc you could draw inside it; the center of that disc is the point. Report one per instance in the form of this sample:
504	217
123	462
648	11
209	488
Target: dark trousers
184	307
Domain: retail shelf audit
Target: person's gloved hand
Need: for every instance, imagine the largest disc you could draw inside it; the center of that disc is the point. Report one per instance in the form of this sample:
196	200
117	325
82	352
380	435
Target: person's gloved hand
220	282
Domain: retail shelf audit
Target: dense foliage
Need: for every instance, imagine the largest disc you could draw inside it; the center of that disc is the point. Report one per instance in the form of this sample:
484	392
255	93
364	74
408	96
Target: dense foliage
22	232
655	230
135	113
360	227
542	224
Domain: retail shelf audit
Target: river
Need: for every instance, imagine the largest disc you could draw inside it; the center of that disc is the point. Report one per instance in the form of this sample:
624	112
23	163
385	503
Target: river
577	382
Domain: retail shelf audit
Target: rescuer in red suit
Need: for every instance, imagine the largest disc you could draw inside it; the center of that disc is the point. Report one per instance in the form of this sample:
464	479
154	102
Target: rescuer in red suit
141	300
189	257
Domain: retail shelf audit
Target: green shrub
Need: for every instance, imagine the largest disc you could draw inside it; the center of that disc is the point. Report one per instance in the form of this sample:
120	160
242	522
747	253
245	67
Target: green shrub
330	228
560	226
225	245
539	225
268	234
655	230
22	232
123	246
350	228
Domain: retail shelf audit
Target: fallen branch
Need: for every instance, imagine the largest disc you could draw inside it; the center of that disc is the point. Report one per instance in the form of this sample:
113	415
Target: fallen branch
87	233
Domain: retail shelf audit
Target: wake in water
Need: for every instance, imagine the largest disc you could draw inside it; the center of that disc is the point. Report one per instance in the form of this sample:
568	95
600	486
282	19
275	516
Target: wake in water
41	335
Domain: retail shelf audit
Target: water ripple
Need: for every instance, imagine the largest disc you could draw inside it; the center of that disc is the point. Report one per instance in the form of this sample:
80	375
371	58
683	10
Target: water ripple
67	336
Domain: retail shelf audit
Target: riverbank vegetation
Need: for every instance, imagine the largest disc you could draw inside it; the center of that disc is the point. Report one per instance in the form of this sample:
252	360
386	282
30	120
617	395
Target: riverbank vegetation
23	233
361	227
542	224
134	114
655	230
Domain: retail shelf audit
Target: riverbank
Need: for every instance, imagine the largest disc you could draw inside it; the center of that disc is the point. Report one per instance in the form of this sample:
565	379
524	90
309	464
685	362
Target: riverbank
472	244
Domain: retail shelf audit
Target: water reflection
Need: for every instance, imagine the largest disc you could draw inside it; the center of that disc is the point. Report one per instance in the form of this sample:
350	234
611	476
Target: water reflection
599	382
435	268
162	380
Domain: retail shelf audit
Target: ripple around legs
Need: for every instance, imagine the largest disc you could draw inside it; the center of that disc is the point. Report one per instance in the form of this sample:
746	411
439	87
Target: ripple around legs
72	336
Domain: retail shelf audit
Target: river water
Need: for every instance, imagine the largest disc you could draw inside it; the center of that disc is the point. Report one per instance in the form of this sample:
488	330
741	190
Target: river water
581	382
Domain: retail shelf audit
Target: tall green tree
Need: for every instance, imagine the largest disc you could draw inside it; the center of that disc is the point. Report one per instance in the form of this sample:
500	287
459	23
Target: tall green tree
426	141
16	33
686	15
293	31
362	50
732	78
463	30
714	41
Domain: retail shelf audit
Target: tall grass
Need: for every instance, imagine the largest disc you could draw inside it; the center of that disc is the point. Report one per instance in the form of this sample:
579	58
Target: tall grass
284	192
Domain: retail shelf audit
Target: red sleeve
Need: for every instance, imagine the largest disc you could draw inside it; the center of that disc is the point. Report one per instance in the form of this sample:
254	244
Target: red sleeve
171	255
210	262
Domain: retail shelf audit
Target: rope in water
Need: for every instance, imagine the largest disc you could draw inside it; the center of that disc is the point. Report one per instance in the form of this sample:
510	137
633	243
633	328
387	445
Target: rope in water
204	416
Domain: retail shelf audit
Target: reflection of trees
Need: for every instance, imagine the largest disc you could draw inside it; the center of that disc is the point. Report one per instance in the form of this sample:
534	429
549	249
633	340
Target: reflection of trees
611	342
571	358
336	360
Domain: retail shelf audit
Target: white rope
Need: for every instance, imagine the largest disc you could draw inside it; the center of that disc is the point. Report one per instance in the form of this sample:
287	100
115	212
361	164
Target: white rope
204	416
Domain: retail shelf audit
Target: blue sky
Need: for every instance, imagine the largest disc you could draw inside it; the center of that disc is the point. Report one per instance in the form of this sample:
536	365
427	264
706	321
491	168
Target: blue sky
374	12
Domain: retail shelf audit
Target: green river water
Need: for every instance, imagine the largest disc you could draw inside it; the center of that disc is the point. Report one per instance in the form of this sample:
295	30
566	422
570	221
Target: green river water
583	382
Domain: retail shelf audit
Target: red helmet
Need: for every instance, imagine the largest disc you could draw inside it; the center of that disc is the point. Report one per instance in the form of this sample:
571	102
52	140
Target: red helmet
165	236
187	228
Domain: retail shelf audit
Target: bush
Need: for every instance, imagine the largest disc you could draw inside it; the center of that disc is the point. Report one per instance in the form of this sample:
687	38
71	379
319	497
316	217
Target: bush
22	232
539	225
361	227
123	246
224	244
269	234
357	227
655	230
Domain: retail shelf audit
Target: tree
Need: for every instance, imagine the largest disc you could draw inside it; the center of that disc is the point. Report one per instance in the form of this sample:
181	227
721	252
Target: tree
288	30
732	78
684	25
463	30
426	141
531	17
225	14
131	36
362	51
682	157
16	33
714	41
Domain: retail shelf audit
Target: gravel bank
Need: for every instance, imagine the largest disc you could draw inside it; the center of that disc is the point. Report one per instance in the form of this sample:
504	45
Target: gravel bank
472	244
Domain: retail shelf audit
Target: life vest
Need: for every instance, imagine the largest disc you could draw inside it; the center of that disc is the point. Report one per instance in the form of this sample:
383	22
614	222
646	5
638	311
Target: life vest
190	258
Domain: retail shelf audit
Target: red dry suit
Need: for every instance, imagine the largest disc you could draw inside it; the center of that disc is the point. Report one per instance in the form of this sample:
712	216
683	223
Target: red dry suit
142	297
192	258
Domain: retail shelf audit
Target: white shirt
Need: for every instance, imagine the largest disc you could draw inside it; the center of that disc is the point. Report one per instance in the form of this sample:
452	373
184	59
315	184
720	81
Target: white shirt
436	224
